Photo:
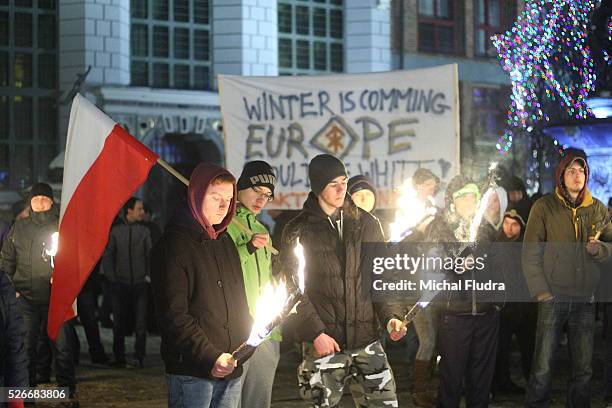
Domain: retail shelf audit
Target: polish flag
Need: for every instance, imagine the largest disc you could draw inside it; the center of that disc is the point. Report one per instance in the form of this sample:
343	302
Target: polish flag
103	167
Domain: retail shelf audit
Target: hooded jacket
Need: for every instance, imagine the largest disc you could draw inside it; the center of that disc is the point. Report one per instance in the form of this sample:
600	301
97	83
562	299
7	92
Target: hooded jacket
198	287
23	255
256	263
554	256
335	301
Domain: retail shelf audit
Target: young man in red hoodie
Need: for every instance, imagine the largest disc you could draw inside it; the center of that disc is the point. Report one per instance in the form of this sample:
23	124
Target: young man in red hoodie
199	295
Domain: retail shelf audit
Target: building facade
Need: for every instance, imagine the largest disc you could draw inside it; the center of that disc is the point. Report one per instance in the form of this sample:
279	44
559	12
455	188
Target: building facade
152	66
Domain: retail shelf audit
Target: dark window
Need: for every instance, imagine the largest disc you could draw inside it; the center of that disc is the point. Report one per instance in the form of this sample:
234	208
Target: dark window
47	71
22	111
139	8
23	70
181	10
171	47
201	47
140	73
160	42
140	40
4	68
492	17
181	76
47	118
46	31
285	18
160	10
311	34
23	30
161	75
181	43
28	90
4	113
440	27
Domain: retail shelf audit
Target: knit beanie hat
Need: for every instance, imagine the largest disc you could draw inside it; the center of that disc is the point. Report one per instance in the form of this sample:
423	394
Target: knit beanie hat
518	212
358	183
323	169
41	189
257	173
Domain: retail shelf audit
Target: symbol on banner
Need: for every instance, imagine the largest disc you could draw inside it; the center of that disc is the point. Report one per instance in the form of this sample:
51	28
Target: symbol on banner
335	137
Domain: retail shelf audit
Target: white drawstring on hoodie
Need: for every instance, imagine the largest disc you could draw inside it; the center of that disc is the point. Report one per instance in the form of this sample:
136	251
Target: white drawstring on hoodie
339	225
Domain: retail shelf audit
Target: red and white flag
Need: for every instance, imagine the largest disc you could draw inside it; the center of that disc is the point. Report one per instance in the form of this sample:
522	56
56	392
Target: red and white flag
103	166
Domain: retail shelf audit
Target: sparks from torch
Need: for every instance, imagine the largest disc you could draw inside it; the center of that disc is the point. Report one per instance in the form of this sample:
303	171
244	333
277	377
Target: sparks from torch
273	306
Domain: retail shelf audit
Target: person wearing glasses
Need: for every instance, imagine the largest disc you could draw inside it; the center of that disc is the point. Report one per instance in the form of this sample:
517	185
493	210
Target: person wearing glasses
256	189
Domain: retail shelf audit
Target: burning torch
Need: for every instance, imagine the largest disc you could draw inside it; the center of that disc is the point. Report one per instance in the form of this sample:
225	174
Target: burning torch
411	212
273	306
52	250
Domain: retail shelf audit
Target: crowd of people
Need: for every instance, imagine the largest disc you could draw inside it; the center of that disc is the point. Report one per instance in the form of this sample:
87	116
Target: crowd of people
204	275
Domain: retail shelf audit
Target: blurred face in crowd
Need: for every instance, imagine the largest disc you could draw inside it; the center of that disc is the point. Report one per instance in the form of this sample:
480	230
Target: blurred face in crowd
135	214
465	205
217	201
574	178
255	198
493	208
41	203
332	196
364	199
426	189
515	196
512	228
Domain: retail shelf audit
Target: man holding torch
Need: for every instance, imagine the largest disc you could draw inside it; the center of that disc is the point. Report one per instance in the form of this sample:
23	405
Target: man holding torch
199	295
255	190
338	321
26	257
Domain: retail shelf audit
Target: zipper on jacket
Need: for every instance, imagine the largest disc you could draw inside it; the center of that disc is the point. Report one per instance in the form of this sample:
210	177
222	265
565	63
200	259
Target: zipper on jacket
256	258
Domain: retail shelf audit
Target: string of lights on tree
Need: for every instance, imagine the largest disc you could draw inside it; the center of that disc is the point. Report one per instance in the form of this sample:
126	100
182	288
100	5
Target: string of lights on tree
549	63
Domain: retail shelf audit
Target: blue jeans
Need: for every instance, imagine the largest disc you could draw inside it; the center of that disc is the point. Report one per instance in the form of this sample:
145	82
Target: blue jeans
193	392
579	314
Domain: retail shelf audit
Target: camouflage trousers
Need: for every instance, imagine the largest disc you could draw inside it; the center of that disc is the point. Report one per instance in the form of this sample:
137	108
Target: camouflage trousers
366	371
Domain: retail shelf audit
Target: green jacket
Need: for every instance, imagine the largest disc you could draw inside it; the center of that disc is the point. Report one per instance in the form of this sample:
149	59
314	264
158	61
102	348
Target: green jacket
554	254
256	264
23	255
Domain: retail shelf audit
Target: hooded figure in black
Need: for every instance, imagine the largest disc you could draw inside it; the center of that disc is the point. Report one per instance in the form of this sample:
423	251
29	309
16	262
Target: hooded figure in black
339	322
199	295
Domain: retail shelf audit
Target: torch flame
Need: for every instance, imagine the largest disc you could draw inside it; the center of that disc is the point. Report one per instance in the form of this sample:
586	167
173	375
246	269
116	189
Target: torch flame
299	253
482	207
411	211
269	305
52	251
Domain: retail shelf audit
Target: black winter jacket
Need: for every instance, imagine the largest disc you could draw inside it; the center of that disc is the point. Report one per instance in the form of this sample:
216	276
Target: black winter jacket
127	254
23	255
199	298
335	302
442	232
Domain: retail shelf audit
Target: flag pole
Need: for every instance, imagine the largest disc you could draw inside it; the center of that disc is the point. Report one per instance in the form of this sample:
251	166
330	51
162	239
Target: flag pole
172	171
182	178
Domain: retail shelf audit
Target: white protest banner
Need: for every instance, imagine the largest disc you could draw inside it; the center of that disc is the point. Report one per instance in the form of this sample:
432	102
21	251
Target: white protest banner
383	125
